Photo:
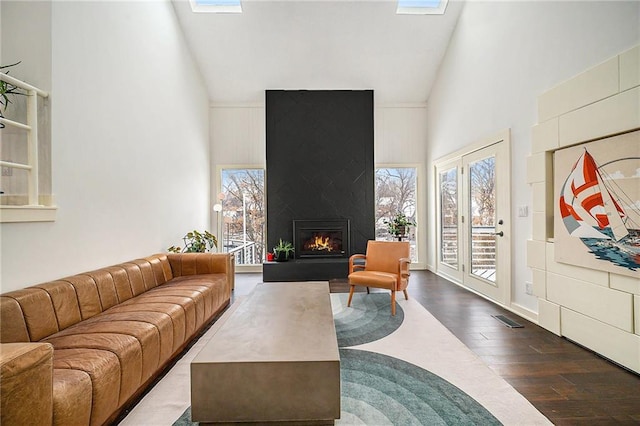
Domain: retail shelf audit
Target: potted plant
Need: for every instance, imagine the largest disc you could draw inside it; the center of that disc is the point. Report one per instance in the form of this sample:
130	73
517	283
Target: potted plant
399	225
283	251
196	242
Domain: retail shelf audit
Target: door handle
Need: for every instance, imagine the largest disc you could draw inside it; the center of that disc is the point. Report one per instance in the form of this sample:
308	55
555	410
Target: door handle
499	234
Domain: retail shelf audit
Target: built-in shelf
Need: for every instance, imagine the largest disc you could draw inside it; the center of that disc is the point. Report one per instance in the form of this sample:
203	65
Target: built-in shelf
33	210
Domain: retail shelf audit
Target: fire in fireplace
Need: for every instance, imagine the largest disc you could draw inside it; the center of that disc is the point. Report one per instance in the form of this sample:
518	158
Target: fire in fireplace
321	238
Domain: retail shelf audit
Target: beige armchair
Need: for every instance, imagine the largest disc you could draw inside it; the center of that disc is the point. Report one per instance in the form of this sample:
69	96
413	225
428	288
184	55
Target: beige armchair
386	265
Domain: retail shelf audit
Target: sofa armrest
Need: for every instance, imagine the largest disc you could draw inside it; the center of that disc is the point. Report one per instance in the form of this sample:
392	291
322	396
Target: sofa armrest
26	383
183	264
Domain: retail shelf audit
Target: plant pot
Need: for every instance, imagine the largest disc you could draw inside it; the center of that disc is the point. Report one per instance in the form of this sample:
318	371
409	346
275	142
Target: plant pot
281	256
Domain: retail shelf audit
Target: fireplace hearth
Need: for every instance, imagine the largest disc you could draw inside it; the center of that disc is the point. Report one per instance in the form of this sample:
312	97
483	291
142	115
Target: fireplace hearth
321	238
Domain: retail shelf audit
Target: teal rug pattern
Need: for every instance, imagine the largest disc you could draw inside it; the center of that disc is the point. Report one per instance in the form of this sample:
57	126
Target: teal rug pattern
367	320
381	390
378	389
185	419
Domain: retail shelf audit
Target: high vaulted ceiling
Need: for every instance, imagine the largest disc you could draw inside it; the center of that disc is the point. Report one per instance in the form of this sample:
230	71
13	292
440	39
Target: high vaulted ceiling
340	44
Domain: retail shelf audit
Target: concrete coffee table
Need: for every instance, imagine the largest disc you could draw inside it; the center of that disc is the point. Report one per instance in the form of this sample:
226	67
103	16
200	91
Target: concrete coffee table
274	359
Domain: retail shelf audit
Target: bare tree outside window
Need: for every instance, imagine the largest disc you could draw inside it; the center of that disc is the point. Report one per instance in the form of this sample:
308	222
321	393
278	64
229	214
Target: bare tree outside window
396	193
483	197
243	215
482	203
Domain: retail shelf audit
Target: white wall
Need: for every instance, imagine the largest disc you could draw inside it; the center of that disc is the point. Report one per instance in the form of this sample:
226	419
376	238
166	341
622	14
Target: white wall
400	139
594	307
238	138
501	57
238	134
130	142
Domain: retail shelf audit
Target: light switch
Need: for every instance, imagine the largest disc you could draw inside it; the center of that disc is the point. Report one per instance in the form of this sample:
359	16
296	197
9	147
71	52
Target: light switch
523	211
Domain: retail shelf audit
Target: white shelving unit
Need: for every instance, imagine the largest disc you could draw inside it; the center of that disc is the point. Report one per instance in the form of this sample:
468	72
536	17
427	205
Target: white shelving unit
33	210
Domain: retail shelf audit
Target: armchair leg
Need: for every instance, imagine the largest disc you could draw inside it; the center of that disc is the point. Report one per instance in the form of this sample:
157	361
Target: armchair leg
406	295
367	290
353	287
393	303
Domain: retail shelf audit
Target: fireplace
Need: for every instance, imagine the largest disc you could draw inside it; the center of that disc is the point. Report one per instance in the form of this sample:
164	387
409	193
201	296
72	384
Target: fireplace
321	238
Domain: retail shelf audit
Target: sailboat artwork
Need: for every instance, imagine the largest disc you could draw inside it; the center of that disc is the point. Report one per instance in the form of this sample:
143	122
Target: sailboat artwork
598	205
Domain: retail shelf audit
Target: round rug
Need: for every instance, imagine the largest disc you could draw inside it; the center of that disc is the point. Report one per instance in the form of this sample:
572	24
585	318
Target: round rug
367	320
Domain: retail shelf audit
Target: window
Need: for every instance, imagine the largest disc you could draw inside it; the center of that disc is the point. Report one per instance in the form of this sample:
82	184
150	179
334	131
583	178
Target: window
421	7
243	217
216	6
396	193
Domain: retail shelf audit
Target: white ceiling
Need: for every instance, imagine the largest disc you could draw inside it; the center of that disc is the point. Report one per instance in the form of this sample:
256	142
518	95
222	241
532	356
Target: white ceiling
318	45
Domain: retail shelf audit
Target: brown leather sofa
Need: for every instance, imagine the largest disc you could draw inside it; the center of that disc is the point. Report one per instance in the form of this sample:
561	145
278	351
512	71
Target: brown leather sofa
76	351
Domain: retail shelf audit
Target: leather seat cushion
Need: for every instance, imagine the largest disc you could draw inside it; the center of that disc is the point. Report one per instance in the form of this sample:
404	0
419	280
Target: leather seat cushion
125	347
175	312
374	279
161	322
146	334
208	294
184	296
71	397
103	368
187	304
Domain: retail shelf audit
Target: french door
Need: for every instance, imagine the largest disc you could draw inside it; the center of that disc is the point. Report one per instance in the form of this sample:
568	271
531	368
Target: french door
473	220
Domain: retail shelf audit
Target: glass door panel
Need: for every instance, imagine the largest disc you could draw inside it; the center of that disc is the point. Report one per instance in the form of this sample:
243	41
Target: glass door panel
486	213
473	212
482	218
449	217
449	242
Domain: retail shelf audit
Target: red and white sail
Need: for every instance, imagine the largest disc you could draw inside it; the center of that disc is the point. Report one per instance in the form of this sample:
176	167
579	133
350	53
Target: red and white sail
585	196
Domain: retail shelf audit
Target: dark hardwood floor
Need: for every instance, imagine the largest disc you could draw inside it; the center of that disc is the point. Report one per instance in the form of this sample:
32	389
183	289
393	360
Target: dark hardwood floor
567	383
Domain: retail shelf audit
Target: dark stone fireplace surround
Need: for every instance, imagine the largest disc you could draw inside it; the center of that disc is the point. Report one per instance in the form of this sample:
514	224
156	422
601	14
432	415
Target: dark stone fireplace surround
319	167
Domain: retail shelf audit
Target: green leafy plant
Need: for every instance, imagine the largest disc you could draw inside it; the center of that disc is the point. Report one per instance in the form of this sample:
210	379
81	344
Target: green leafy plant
399	225
283	250
196	242
7	89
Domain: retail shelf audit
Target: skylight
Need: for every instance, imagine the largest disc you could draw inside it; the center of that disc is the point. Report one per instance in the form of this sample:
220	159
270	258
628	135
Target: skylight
421	7
216	6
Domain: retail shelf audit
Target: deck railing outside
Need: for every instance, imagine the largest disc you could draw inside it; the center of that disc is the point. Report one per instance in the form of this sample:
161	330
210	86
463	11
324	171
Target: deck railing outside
483	249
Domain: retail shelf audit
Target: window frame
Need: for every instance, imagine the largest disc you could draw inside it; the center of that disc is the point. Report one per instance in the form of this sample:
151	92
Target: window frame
421	210
256	267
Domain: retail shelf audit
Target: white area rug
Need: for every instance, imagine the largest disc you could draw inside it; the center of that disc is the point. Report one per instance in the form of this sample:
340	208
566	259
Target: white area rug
421	340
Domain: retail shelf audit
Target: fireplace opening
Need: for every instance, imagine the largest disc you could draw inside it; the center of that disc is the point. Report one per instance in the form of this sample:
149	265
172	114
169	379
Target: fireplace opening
321	238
